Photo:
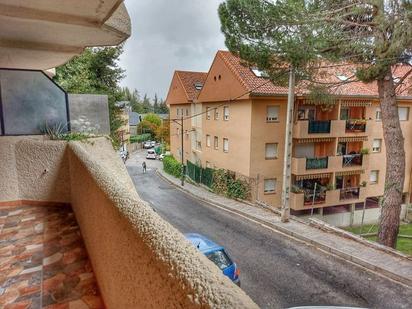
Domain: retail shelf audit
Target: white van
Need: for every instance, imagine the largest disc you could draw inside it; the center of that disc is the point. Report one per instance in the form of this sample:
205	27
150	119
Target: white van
151	154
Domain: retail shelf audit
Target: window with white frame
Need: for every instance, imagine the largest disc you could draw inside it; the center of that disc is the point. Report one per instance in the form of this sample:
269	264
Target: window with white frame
378	114
270	186
373	176
216	114
208	142
216	142
377	145
403	113
208	113
272	114
225	145
271	151
226	113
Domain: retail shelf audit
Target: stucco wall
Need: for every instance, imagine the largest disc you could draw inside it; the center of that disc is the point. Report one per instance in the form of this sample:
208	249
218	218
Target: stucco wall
140	260
33	168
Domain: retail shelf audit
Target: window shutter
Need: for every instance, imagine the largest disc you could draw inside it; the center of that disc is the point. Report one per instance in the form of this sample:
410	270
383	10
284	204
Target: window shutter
270	185
272	113
271	151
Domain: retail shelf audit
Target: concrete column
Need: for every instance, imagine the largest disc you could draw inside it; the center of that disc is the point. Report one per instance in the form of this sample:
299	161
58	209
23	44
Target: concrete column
352	213
321	212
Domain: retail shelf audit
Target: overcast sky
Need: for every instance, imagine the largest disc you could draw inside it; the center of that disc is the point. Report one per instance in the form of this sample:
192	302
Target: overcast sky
169	35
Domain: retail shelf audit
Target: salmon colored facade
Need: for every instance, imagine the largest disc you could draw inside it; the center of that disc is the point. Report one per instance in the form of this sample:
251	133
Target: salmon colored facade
338	153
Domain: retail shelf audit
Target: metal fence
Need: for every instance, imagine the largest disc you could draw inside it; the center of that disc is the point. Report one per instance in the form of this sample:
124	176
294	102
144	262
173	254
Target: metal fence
199	174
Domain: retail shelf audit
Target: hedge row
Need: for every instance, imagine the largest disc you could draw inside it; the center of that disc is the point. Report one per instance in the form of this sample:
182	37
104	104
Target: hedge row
140	138
172	166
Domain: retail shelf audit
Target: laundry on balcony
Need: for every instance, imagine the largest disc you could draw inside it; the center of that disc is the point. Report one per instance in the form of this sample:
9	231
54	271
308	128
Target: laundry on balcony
352	159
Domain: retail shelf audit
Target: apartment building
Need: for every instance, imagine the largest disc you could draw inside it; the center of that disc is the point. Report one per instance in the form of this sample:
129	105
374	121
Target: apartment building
338	156
182	101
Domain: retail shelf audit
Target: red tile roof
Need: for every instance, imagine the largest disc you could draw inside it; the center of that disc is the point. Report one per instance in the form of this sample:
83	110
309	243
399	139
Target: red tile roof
261	86
189	80
253	83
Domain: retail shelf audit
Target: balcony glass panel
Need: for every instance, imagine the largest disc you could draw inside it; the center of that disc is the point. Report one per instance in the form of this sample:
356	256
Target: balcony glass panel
31	102
316	163
319	126
355	125
352	160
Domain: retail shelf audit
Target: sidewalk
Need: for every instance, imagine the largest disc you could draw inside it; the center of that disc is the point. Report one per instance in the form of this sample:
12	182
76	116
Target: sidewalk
386	264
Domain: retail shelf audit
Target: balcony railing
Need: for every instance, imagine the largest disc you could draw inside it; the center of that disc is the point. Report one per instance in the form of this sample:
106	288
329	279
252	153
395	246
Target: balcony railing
352	160
355	125
316	163
349	193
310	198
319	126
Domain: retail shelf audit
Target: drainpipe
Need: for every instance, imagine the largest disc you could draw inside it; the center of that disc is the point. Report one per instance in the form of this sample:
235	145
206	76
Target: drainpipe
287	158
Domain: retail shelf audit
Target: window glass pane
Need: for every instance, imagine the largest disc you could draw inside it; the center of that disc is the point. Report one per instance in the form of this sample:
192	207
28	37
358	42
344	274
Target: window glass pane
225	145
378	114
220	259
403	113
270	185
226	112
271	150
31	102
216	142
373	177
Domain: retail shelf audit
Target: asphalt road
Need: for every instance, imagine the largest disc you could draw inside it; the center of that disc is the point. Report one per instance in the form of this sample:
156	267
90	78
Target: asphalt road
275	272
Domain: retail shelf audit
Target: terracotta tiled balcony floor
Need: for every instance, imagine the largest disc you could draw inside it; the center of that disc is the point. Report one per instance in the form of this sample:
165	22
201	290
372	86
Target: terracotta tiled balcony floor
43	262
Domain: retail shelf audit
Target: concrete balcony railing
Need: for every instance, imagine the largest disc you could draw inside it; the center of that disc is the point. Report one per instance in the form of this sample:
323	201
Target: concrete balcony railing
332	198
139	260
330	128
303	166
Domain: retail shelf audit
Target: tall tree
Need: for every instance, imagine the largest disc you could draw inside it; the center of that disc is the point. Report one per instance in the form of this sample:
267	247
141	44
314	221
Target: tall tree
163	109
95	71
147	106
156	104
373	35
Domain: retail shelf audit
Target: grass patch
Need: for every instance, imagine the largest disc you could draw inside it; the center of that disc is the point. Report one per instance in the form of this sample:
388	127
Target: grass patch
404	244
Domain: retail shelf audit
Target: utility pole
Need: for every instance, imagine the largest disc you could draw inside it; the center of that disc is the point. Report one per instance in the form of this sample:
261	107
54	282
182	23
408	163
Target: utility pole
182	153
287	158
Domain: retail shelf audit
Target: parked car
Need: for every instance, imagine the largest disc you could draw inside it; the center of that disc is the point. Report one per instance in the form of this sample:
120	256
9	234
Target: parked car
161	156
152	143
216	254
147	144
151	154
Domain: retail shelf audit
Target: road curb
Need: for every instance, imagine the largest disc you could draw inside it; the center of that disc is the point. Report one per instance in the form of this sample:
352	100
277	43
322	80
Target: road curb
343	255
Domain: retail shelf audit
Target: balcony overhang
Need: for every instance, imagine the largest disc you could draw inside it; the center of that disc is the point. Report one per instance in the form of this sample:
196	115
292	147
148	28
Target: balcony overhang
47	33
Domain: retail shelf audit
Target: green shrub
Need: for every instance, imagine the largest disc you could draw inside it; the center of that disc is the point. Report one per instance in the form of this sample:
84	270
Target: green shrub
172	166
225	183
140	138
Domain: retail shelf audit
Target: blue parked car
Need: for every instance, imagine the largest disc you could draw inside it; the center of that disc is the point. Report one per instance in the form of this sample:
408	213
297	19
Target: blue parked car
216	254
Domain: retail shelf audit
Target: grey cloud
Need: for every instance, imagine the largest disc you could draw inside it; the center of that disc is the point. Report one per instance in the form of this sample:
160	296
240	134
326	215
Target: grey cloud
169	35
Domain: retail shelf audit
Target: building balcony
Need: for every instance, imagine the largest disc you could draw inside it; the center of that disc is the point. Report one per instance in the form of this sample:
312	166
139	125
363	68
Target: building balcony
315	128
330	164
352	160
319	126
75	234
298	201
355	125
316	163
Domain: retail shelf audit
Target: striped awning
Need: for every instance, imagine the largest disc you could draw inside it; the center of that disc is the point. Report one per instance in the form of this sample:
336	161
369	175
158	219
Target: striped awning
355	103
312	102
313	176
314	140
349	173
353	139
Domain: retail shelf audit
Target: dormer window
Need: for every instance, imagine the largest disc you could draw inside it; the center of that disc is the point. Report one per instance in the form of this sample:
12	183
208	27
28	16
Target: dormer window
198	86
